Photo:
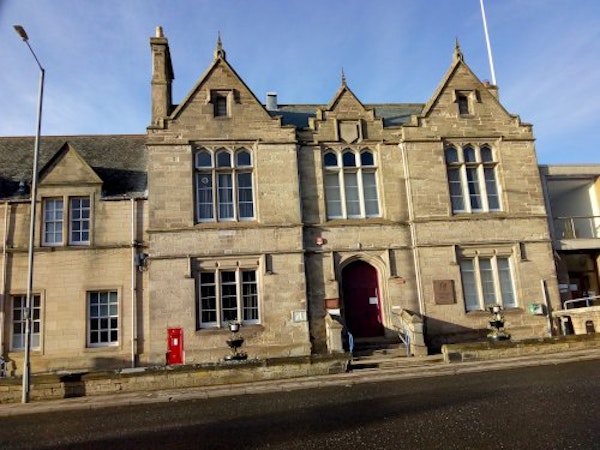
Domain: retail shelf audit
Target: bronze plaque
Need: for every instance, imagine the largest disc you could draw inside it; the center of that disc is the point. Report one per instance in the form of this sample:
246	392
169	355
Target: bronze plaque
443	291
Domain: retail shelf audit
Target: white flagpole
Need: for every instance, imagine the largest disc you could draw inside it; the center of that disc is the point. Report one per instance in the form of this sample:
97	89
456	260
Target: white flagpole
487	41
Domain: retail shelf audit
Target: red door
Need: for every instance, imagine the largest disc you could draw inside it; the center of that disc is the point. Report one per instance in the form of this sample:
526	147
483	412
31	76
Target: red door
361	300
175	346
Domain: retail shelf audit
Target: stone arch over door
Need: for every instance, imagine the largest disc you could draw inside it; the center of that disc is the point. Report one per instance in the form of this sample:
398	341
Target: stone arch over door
361	297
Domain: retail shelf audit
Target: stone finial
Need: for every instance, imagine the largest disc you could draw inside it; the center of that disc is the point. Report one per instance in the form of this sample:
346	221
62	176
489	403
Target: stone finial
219	52
458	55
159	32
343	77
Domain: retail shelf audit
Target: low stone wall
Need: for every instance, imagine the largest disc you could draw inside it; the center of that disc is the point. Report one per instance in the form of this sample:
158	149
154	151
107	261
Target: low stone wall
488	350
48	387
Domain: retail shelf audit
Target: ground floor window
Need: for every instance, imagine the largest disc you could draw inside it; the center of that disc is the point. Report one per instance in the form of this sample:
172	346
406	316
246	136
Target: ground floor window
19	322
227	296
103	318
487	281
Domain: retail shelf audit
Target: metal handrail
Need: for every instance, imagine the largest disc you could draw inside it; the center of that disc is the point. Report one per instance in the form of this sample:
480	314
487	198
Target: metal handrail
589	301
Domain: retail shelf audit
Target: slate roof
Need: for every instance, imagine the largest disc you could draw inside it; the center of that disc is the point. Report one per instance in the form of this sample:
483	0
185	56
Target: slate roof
119	160
393	114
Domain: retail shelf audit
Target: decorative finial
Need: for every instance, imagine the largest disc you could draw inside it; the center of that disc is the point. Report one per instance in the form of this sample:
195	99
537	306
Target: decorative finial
457	51
343	77
159	32
219	52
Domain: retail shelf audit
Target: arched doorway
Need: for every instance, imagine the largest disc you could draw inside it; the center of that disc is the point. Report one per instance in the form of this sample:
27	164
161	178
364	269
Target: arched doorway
362	306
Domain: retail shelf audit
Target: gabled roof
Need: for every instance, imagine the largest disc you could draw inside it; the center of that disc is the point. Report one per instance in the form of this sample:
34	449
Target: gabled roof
67	161
119	160
458	63
218	60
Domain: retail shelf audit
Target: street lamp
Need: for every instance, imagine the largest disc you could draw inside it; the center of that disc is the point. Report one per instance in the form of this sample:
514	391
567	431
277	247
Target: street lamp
34	182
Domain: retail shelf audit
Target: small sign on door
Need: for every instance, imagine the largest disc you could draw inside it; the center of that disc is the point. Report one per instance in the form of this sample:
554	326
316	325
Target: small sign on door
373	300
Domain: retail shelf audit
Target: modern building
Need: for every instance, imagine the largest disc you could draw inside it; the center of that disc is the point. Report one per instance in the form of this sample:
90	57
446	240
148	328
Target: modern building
573	203
292	220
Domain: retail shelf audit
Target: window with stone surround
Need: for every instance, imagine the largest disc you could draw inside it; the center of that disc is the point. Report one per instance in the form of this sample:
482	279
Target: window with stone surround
19	322
472	179
227	295
350	184
79	219
487	279
224	185
103	318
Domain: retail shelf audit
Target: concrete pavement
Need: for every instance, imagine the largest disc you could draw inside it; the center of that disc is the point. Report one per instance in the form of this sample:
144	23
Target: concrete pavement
429	366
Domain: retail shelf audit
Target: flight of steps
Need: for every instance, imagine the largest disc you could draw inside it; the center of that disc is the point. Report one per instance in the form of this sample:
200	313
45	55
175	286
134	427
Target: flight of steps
382	353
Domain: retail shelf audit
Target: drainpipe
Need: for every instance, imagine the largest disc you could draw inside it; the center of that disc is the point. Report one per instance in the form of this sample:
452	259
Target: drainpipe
133	282
413	231
3	285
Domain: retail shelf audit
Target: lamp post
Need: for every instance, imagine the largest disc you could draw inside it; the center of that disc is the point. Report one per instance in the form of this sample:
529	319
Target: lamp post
34	182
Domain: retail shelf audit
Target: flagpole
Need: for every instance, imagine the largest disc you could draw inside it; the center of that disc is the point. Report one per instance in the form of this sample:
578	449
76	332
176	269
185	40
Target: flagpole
487	41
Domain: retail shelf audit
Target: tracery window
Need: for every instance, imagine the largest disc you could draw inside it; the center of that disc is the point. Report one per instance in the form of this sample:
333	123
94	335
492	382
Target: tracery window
351	184
472	179
224	185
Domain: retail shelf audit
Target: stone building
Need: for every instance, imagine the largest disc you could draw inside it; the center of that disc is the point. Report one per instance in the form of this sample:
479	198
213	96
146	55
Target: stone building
90	227
391	219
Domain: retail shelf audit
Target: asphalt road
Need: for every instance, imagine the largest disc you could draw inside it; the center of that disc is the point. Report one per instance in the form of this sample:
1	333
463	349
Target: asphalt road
546	407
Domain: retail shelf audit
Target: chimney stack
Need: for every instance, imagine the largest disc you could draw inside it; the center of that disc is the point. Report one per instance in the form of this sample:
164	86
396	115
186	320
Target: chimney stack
162	78
271	101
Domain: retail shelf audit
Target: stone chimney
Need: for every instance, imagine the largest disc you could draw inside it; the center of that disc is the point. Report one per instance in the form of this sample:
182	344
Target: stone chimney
162	78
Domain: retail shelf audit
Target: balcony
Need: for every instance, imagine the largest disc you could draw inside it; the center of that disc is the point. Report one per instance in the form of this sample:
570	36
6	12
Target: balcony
577	227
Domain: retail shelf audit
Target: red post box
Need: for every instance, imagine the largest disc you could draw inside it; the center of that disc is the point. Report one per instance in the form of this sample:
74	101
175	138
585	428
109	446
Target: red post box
174	346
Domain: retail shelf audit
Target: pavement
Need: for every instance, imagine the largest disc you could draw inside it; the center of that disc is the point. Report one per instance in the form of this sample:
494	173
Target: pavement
417	367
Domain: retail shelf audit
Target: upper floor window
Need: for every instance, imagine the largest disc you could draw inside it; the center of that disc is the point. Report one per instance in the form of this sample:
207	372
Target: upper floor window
79	223
227	296
79	216
472	179
53	221
351	184
220	105
463	104
19	322
487	281
224	185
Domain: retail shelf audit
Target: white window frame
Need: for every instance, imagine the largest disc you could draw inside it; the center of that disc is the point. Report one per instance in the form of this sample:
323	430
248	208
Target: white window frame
83	220
56	221
68	216
216	172
217	292
495	282
338	192
469	189
19	319
107	311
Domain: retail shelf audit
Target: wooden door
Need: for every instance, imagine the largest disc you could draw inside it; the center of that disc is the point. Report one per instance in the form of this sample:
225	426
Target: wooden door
362	306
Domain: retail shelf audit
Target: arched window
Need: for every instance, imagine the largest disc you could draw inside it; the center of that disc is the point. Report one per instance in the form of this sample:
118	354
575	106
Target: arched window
224	192
351	190
472	179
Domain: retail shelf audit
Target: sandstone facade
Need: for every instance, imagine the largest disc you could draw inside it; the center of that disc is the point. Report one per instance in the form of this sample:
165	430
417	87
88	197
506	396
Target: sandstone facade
277	216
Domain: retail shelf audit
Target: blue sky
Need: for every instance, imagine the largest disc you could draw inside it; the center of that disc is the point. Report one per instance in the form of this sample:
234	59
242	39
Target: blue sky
97	58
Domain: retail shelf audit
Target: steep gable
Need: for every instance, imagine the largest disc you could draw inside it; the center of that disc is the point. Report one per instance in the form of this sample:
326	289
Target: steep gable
67	167
220	104
460	94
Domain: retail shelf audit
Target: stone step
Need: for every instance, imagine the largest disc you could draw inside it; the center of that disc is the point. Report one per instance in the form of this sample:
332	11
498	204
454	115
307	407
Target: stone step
400	362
